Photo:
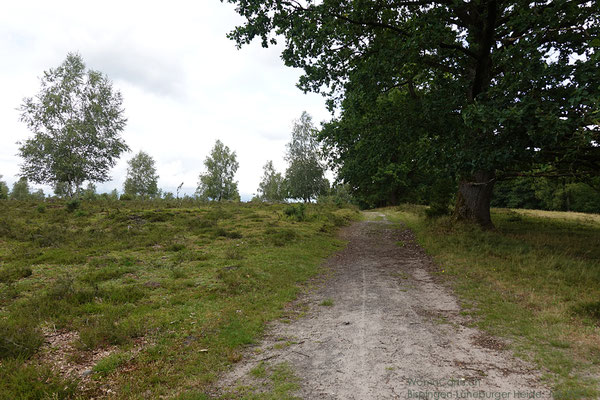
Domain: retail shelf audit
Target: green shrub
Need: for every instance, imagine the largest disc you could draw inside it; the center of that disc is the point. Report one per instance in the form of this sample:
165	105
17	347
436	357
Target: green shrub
222	232
238	279
234	253
589	310
11	273
281	237
19	337
109	329
73	205
296	211
110	363
106	273
21	381
176	247
48	235
123	294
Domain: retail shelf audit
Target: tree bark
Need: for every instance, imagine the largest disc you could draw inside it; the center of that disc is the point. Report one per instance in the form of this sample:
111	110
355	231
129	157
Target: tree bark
473	200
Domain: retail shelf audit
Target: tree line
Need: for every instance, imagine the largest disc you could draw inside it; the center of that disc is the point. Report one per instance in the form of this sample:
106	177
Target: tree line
77	119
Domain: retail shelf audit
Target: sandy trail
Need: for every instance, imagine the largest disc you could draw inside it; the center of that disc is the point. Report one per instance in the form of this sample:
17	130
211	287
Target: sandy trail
392	332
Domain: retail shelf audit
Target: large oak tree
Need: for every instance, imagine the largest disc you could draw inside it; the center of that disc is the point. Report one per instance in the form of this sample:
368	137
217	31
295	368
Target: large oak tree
519	77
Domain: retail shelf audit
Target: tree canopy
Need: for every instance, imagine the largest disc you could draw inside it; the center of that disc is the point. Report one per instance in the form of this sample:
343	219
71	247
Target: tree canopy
305	174
217	182
510	85
20	190
272	186
76	118
142	179
4	191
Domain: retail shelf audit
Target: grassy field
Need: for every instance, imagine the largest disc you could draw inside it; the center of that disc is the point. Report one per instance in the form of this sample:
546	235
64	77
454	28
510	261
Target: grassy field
141	299
535	280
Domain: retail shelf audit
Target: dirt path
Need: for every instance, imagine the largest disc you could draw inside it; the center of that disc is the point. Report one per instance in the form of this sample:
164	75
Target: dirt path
389	331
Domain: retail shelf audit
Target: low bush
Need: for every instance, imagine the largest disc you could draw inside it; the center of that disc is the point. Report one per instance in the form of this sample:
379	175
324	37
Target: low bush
12	273
296	211
19	337
21	381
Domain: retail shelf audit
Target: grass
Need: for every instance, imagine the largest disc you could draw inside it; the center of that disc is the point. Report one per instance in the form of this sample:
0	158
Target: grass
173	291
274	382
327	303
535	279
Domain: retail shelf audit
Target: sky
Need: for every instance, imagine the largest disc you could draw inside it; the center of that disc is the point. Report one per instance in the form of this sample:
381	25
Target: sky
184	84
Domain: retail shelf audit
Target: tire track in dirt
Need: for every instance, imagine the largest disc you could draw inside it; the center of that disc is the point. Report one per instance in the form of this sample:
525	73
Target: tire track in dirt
393	332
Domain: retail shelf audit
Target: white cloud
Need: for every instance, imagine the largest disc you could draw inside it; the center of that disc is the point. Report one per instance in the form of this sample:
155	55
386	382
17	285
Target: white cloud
184	83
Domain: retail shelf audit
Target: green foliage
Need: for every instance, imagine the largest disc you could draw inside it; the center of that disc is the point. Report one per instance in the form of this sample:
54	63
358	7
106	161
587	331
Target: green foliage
589	310
76	120
534	279
339	195
440	197
489	88
296	211
281	237
166	277
13	273
110	363
305	174
272	187
73	205
21	381
20	337
38	195
4	191
20	190
546	194
89	193
217	183
142	179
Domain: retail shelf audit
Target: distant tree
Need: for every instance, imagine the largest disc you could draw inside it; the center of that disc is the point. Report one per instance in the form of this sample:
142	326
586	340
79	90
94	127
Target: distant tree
142	179
38	195
217	184
76	120
61	190
272	185
89	193
305	175
20	190
339	194
168	196
3	190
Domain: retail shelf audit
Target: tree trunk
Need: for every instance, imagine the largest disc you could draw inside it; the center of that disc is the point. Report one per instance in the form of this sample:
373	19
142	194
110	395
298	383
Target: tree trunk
473	200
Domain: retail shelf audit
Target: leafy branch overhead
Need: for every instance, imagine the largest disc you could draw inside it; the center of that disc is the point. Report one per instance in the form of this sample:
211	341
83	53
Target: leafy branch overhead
510	87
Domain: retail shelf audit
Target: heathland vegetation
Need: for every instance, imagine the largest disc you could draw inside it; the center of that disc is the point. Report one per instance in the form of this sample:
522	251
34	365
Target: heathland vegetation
145	298
473	103
534	280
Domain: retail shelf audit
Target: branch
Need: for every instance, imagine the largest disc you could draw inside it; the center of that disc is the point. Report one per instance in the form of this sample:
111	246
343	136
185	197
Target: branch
460	48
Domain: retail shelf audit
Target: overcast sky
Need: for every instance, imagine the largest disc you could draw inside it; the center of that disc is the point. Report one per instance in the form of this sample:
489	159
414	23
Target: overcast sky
183	82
